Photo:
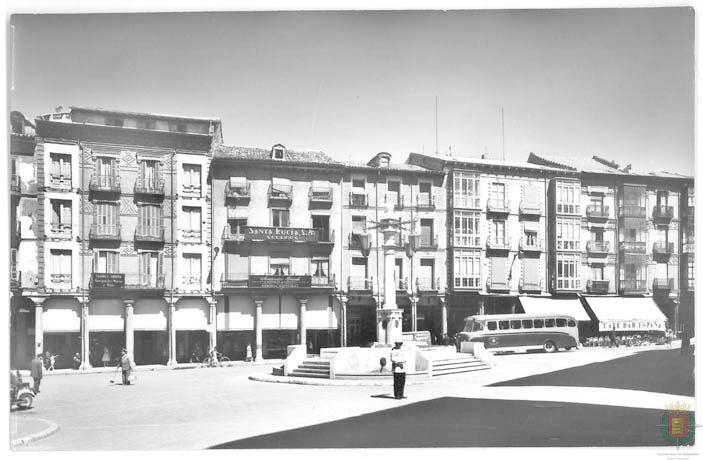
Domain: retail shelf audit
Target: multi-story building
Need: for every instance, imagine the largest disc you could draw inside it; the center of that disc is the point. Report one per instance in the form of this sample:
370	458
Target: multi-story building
23	241
276	221
122	223
416	196
496	233
618	231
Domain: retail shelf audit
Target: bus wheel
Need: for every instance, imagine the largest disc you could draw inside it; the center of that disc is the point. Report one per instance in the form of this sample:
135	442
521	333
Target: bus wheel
549	347
567	348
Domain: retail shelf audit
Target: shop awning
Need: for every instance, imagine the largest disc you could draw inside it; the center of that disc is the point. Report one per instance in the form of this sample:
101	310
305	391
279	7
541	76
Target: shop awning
627	313
550	306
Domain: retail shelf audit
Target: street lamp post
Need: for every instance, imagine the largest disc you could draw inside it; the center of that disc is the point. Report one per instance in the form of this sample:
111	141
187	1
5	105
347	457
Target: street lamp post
410	249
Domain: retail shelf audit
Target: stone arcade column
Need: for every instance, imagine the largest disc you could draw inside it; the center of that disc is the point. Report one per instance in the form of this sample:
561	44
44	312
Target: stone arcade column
301	324
213	322
389	318
38	325
171	334
413	312
85	335
443	305
343	320
259	335
129	326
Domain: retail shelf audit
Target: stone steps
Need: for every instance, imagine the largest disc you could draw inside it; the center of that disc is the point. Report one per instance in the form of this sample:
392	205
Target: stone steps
316	368
456	365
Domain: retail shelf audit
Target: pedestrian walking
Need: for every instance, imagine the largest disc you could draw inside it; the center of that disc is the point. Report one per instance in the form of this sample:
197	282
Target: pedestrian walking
76	361
47	359
128	367
669	337
106	356
37	371
249	357
398	367
52	361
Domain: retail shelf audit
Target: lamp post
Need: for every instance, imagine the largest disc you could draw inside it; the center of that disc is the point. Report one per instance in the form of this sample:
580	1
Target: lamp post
410	248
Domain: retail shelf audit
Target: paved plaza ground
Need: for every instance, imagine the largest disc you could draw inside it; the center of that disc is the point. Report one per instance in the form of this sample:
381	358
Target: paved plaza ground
222	407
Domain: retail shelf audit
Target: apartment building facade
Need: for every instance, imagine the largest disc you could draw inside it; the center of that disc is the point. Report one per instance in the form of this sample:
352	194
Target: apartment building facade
112	271
415	196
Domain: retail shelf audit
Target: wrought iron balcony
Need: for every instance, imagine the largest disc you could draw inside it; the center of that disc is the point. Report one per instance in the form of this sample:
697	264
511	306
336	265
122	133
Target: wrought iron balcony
597	212
427	284
662	249
60	181
152	187
238	192
630	210
425	202
427	242
280	195
663	213
689	244
105	232
320	196
16	235
633	286
637	247
144	281
358	200
15	277
493	245
63	279
278	235
278	282
60	231
105	183
530	246
149	234
531	209
597	286
359	283
398	201
597	248
498	207
663	284
15	184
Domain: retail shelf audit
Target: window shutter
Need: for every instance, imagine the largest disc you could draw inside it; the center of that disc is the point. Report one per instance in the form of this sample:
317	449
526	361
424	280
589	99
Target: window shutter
499	269
530	271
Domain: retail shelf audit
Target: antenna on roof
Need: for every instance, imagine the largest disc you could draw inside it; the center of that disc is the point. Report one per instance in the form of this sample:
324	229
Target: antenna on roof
502	127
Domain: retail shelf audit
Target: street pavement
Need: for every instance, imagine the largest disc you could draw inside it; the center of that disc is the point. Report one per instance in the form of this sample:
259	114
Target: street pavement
207	407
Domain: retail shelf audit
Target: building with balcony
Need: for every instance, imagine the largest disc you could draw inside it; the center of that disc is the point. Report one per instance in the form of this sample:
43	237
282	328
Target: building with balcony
496	233
277	240
108	211
415	196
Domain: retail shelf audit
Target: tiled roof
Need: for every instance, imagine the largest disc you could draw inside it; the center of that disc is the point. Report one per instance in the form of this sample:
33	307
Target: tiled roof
490	162
142	114
590	165
256	153
402	167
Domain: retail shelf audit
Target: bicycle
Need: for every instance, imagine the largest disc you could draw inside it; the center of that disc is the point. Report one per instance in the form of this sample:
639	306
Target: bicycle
207	361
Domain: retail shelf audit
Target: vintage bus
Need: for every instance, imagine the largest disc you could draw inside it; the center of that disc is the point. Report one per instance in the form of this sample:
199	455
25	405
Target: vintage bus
521	332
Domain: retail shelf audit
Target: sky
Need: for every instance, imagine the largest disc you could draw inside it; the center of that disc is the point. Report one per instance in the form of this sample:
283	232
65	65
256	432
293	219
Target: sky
617	83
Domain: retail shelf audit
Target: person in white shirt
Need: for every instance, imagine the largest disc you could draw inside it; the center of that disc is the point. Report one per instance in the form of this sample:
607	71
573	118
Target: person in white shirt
398	366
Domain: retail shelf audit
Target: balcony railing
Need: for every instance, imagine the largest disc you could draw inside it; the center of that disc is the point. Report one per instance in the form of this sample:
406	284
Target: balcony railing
149	233
61	278
15	184
597	247
358	200
633	246
529	287
425	284
530	246
62	231
597	286
280	194
16	235
238	191
258	281
630	286
401	284
321	196
663	284
597	212
359	283
427	242
191	236
498	206
663	213
153	186
104	183
630	210
278	235
493	245
105	232
191	282
60	181
131	281
425	202
532	209
398	201
568	208
662	249
15	277
689	244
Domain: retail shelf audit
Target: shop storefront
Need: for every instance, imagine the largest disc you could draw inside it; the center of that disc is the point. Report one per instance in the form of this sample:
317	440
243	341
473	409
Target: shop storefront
322	320
191	324
106	323
62	330
625	315
150	332
361	323
235	326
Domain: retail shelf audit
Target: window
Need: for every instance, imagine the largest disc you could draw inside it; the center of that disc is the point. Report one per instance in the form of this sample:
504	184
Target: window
60	168
568	271
146	124
466	190
491	325
549	323
105	167
107	262
358	225
515	324
191	178
466	228
150	219
503	325
278	152
568	233
359	184
393	195
561	322
498	195
177	127
539	323
61	266
530	239
572	323
106	217
192	269
237	225
425	196
150	264
150	174
568	194
634	199
426	232
114	121
320	267
527	324
499	232
690	269
191	221
467	269
61	218
322	225
279	218
662	198
279	266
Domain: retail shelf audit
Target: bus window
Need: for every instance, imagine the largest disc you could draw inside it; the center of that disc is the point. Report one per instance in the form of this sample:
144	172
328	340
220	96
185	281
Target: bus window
549	322
561	322
539	323
503	325
527	324
515	324
477	327
572	323
491	325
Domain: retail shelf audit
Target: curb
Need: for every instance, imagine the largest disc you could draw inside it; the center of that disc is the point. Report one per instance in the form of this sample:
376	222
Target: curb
53	428
268	378
156	367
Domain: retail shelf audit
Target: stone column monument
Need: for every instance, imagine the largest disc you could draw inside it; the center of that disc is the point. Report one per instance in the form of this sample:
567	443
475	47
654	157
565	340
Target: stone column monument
389	318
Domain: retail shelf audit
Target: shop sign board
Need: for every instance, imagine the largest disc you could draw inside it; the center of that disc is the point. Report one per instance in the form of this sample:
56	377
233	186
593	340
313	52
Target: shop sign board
633	325
279	282
281	234
107	280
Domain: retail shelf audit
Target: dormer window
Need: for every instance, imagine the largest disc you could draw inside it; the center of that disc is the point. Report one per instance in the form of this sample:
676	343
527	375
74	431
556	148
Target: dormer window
277	152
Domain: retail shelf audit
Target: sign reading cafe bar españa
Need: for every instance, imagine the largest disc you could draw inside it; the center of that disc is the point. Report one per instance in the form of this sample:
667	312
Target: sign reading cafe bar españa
633	325
280	234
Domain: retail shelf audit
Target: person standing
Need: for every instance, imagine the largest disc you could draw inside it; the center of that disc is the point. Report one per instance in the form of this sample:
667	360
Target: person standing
398	366
37	371
249	357
106	356
127	365
76	361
